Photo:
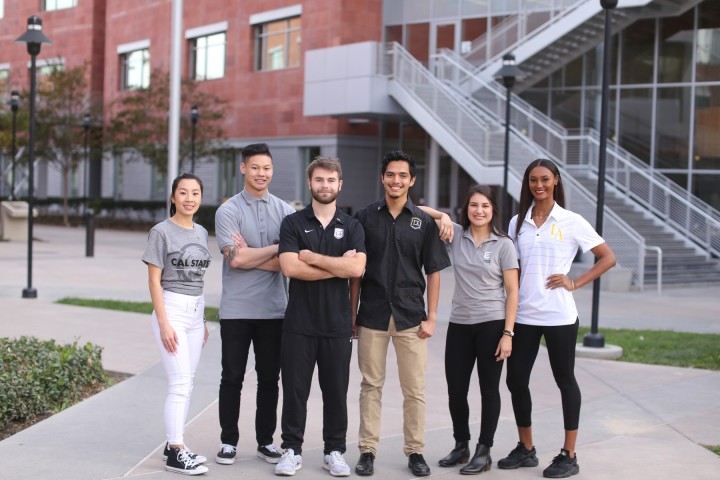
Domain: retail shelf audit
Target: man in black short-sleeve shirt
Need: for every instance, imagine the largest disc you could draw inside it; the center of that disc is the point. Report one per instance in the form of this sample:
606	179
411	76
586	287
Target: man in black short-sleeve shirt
320	248
401	241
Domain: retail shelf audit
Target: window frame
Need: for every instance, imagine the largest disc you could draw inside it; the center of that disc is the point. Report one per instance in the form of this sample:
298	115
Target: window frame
206	32
126	65
65	4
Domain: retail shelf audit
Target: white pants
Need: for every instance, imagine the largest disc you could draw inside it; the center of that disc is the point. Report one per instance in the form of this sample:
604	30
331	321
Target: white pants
185	314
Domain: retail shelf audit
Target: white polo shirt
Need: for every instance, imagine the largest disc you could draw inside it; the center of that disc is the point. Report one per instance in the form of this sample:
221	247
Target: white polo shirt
545	251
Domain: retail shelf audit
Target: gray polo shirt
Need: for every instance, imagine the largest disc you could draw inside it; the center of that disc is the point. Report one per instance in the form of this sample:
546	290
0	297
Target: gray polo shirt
252	293
479	289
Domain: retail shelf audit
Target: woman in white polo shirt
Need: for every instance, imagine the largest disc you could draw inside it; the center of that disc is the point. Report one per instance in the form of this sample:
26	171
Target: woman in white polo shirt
481	325
547	238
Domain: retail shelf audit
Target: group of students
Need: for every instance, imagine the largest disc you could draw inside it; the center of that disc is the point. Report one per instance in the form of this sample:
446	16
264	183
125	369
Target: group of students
364	277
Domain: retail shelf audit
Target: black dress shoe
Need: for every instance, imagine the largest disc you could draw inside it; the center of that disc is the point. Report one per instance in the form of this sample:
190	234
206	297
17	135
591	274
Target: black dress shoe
364	465
417	464
459	454
480	462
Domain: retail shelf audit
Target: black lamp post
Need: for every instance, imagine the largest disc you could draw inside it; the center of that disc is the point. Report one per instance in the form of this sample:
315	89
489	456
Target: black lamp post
595	338
509	73
194	116
34	38
86	129
14	106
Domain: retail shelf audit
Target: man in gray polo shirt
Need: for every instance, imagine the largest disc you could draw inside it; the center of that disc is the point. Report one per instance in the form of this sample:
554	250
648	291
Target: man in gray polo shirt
253	302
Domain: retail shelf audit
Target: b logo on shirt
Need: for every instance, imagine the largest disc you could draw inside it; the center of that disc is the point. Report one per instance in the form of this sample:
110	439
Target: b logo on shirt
556	233
415	223
339	233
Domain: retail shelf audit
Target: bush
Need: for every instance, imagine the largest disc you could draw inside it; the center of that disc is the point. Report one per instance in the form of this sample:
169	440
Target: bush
40	377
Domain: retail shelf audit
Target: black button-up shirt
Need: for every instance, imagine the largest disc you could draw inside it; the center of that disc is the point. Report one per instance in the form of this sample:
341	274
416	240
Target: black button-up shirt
320	308
397	251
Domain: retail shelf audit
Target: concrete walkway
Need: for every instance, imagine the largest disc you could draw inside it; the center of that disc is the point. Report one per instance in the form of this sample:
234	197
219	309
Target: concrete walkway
638	421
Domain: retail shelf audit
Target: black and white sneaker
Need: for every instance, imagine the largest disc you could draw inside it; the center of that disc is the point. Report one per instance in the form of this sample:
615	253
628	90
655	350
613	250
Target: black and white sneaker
226	455
179	461
198	458
269	453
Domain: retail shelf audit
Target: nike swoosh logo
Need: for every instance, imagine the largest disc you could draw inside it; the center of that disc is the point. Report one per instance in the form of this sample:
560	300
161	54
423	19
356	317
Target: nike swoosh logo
308	231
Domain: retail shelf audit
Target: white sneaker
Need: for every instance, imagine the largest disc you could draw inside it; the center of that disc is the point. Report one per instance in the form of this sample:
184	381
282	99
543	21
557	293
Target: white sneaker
336	464
226	455
289	463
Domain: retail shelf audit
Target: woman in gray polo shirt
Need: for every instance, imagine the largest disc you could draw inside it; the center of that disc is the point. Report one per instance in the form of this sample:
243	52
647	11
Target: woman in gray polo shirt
481	325
177	257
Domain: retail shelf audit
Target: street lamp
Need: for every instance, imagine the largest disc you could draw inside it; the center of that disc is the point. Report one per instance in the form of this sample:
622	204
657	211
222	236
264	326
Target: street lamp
86	129
34	38
194	116
14	106
595	338
509	72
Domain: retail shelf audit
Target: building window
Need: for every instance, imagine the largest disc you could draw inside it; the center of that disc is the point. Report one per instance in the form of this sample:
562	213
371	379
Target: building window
2	8
207	57
277	44
135	69
50	5
4	81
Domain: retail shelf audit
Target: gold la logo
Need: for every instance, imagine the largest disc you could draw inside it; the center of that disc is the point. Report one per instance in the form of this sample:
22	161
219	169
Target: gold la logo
556	233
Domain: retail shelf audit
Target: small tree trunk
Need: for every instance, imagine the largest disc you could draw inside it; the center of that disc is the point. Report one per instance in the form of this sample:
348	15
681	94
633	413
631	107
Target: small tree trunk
65	182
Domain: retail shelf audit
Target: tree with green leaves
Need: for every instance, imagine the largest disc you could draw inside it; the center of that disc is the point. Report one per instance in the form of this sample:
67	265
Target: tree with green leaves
21	132
138	122
63	99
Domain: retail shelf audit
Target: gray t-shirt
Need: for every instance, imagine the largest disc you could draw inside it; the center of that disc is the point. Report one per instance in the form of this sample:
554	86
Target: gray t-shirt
479	288
251	293
181	253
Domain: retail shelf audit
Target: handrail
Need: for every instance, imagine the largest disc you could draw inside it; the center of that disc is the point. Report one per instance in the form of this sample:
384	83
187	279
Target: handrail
657	250
412	77
494	43
689	216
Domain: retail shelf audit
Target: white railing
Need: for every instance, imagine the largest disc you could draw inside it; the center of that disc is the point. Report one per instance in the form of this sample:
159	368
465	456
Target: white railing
431	92
689	216
530	16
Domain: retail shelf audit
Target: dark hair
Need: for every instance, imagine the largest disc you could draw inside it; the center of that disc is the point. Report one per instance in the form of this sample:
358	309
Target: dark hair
526	197
182	176
487	193
255	149
398	155
327	163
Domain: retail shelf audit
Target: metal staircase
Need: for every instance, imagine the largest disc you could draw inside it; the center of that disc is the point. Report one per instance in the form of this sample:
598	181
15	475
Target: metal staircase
462	111
544	39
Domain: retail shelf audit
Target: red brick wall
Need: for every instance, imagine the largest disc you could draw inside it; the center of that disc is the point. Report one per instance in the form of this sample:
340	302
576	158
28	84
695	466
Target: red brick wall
261	104
75	33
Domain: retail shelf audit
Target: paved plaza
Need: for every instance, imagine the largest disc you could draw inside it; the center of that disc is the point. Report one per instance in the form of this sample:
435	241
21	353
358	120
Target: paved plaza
638	421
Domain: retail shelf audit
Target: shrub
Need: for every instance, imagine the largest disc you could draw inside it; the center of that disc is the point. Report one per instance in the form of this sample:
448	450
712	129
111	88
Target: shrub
38	377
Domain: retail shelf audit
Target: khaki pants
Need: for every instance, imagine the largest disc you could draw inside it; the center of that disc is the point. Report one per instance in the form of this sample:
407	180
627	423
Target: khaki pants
411	352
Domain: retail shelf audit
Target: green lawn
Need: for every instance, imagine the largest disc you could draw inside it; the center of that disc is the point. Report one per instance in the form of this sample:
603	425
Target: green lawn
664	347
211	313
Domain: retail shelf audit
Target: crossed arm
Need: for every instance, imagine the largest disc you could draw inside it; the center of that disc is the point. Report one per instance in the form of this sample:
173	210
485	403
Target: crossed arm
241	256
310	266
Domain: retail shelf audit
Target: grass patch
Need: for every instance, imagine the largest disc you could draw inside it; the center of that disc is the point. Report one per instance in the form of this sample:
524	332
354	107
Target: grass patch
211	313
664	347
713	448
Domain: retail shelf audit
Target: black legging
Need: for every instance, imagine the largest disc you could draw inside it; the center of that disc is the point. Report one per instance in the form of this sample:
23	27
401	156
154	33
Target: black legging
464	346
560	342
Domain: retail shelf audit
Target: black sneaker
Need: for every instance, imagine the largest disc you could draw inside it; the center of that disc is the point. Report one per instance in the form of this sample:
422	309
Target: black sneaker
519	457
269	453
562	466
226	455
418	465
198	458
179	461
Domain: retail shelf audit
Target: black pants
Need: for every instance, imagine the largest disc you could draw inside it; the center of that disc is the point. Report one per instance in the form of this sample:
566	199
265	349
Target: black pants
465	346
299	354
560	342
236	335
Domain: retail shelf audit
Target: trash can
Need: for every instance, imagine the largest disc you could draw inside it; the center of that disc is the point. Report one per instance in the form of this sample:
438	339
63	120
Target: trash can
14	221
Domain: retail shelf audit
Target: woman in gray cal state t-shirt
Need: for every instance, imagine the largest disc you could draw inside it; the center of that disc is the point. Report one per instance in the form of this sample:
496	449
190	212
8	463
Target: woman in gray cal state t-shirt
177	257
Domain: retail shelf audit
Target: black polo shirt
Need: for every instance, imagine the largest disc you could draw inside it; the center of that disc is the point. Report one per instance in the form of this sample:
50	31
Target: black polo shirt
320	308
398	249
